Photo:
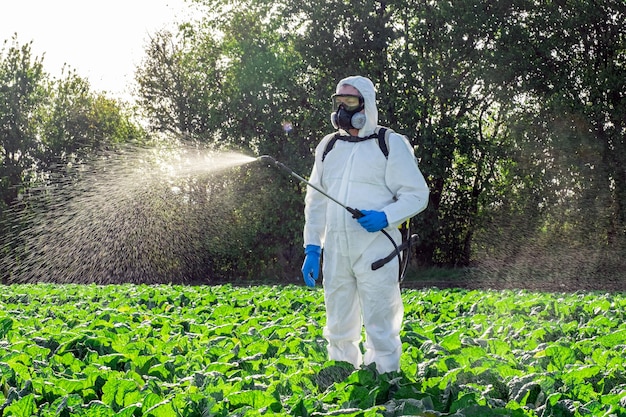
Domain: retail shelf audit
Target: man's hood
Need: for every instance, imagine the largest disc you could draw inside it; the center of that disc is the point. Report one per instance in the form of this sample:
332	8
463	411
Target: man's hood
367	90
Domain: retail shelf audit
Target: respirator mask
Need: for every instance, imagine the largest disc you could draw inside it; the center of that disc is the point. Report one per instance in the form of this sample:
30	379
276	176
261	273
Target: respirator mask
346	113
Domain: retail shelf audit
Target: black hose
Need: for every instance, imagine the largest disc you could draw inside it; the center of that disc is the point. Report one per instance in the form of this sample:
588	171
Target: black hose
402	263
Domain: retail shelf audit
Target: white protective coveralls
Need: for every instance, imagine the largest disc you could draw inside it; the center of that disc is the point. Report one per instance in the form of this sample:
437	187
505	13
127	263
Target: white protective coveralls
358	175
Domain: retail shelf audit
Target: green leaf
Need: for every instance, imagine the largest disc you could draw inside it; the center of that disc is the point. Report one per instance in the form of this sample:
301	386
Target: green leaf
161	409
71	386
463	402
24	407
6	324
451	342
410	406
160	371
98	409
150	400
119	393
335	372
561	356
128	411
580	374
613	339
254	398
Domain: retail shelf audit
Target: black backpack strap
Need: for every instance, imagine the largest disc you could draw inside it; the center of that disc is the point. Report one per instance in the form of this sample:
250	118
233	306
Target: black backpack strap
382	136
330	145
382	141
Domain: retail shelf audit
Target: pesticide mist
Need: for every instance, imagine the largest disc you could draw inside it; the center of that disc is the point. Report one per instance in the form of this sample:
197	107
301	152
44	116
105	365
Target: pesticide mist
139	215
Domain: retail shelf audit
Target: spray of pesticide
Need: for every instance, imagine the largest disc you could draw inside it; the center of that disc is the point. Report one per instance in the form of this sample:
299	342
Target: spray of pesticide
139	215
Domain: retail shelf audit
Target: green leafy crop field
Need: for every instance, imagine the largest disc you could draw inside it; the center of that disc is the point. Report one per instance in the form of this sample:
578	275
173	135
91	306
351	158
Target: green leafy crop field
72	350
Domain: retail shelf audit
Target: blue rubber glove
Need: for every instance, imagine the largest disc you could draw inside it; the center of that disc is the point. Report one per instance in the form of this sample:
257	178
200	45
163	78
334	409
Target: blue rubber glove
311	265
373	221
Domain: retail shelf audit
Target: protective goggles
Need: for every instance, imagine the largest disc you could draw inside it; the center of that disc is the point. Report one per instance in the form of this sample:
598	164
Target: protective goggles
350	102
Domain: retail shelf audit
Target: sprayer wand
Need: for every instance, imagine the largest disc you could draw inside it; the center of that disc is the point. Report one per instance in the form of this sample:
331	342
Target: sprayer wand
355	214
268	159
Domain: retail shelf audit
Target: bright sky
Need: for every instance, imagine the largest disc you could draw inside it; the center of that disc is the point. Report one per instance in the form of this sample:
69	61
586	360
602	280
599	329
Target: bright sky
103	40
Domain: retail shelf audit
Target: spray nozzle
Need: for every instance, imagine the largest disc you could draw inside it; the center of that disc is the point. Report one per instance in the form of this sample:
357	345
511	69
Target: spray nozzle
271	161
267	159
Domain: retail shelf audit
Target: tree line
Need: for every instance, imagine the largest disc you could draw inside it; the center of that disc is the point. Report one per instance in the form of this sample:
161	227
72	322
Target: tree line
516	111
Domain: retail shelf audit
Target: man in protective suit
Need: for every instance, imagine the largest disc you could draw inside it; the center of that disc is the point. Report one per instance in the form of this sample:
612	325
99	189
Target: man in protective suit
387	190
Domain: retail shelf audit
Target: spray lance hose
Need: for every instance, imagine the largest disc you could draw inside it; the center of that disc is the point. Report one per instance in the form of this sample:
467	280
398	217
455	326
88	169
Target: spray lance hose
355	214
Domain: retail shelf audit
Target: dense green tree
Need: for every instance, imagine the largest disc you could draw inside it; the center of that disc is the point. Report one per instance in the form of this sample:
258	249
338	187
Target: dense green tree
47	123
444	103
175	83
566	77
22	93
234	77
49	129
77	124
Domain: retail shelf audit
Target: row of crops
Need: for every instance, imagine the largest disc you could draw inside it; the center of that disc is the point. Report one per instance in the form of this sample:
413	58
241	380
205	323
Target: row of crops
134	350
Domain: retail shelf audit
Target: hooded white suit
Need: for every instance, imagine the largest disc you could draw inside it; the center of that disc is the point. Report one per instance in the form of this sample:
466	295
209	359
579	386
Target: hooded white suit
359	175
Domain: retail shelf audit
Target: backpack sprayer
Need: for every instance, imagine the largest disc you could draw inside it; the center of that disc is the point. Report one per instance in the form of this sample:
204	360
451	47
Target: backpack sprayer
398	249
